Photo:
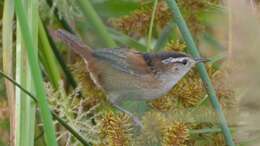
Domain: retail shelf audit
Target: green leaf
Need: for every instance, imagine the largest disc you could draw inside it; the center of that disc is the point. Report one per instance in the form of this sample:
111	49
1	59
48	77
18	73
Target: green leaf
36	74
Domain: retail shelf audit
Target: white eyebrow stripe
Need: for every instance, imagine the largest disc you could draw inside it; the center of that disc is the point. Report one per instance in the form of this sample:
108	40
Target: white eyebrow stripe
168	60
172	60
177	59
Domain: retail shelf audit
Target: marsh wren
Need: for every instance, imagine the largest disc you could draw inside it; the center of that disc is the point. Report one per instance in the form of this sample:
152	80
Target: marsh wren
129	74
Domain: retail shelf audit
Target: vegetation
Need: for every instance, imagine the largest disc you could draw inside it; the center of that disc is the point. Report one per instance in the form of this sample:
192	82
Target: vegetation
57	103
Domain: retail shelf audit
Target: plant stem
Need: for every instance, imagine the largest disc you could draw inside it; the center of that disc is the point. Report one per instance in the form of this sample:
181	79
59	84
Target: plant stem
202	70
7	36
36	74
96	22
29	120
52	68
150	32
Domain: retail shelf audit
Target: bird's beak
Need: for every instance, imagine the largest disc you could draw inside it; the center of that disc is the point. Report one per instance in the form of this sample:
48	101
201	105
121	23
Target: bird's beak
199	60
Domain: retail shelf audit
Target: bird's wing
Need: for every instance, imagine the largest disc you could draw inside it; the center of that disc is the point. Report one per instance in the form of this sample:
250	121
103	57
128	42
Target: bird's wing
128	61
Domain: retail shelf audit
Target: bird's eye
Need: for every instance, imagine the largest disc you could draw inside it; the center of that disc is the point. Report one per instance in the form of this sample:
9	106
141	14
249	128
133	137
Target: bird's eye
184	62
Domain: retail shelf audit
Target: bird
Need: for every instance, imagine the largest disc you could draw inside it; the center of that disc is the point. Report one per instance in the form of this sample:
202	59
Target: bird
124	73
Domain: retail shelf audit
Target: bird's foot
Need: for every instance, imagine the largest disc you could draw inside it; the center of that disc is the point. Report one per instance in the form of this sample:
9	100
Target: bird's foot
136	120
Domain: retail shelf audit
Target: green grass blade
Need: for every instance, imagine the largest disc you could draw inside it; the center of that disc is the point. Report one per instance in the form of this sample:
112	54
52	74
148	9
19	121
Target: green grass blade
48	56
62	63
166	35
29	120
36	74
7	44
96	22
56	51
202	70
18	77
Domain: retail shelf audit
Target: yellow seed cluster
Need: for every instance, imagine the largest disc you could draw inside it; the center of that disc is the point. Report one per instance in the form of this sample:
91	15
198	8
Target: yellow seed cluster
189	91
163	15
139	20
116	129
175	134
192	9
152	132
177	46
165	103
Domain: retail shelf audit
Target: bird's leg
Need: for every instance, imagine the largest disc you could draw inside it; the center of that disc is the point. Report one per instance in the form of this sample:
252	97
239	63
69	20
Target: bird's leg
135	118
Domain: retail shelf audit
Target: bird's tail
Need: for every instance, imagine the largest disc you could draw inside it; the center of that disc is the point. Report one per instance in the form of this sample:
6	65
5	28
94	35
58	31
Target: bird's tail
73	42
